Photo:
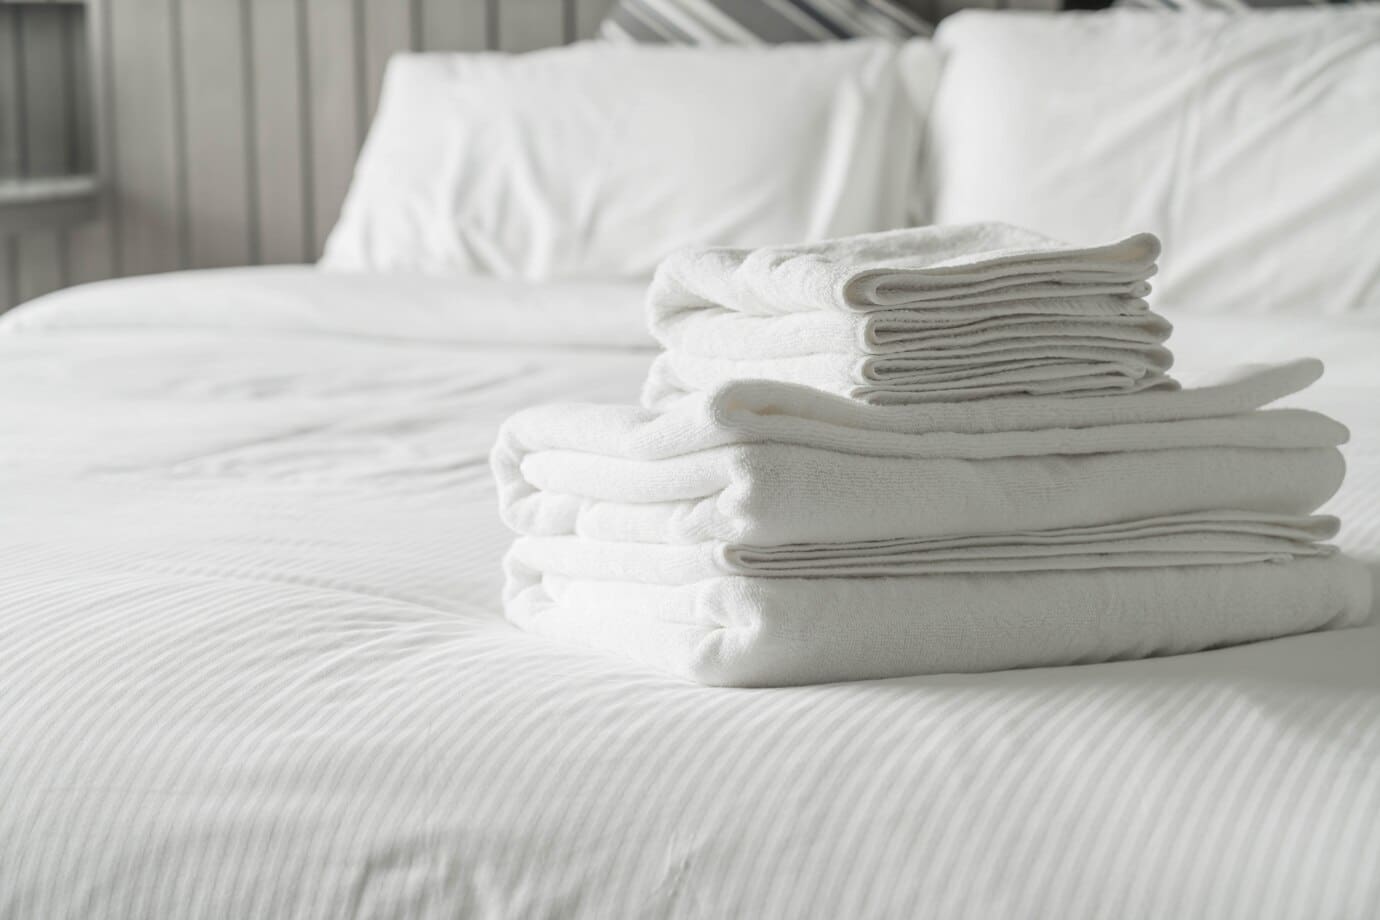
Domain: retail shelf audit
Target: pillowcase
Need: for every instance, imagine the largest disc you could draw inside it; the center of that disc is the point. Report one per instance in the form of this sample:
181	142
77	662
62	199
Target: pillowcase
597	160
1249	143
751	22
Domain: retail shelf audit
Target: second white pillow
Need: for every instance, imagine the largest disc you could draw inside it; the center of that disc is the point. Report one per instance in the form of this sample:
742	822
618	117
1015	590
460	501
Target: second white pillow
1249	143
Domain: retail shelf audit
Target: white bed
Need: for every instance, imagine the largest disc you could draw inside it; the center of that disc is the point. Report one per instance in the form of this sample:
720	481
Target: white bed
252	661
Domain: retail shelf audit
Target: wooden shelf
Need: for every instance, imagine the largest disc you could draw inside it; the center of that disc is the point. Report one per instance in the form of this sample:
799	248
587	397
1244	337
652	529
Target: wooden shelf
60	201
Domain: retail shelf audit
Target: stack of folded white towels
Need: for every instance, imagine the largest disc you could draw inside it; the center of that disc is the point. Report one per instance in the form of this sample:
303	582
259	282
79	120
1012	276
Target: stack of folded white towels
863	458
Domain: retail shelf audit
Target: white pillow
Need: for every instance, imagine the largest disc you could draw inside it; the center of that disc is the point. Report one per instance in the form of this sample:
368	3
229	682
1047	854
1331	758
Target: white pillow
1250	142
596	160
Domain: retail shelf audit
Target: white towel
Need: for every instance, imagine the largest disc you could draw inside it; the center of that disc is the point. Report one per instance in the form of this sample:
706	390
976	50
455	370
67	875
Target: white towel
932	313
905	379
760	464
765	534
936	268
1203	538
718	332
737	631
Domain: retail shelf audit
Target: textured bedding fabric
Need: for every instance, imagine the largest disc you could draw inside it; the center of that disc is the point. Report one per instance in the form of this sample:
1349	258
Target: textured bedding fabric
252	663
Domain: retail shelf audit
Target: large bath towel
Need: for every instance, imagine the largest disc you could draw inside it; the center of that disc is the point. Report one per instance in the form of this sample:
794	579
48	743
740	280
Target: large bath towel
767	464
1200	538
748	632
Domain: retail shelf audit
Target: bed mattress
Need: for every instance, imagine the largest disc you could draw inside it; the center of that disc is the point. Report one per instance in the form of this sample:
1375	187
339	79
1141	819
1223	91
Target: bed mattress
252	662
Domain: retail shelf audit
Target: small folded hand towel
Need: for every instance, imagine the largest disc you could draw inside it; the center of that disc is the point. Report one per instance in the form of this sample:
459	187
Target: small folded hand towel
905	379
929	268
959	312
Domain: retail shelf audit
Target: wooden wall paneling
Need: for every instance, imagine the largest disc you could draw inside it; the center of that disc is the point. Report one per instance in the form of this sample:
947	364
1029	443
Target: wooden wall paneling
389	26
146	178
526	25
453	25
336	120
45	142
91	246
217	137
282	174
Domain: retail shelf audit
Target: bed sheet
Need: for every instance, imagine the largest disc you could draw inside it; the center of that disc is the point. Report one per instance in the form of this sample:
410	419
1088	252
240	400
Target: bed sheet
252	662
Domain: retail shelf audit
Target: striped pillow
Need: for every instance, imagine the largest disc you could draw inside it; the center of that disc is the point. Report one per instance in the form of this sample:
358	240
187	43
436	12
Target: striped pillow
752	22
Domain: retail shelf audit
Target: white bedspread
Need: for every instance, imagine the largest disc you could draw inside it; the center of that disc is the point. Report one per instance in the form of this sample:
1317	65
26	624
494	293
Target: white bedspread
252	662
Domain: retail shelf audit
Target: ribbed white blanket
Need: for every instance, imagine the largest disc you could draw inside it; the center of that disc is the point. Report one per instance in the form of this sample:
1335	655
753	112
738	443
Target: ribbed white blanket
763	464
931	313
736	631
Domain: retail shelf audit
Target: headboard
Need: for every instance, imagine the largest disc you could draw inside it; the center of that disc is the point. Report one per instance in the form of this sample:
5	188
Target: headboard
226	130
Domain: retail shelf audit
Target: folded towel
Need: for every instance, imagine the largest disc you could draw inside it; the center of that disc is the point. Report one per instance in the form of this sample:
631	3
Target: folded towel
714	332
763	533
1204	538
934	267
906	379
736	631
932	313
761	464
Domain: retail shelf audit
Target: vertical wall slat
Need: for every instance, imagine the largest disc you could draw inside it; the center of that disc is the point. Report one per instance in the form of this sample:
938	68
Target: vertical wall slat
335	129
42	36
81	152
11	88
41	264
11	142
448	25
388	27
91	246
215	121
146	187
525	25
45	148
282	173
9	293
